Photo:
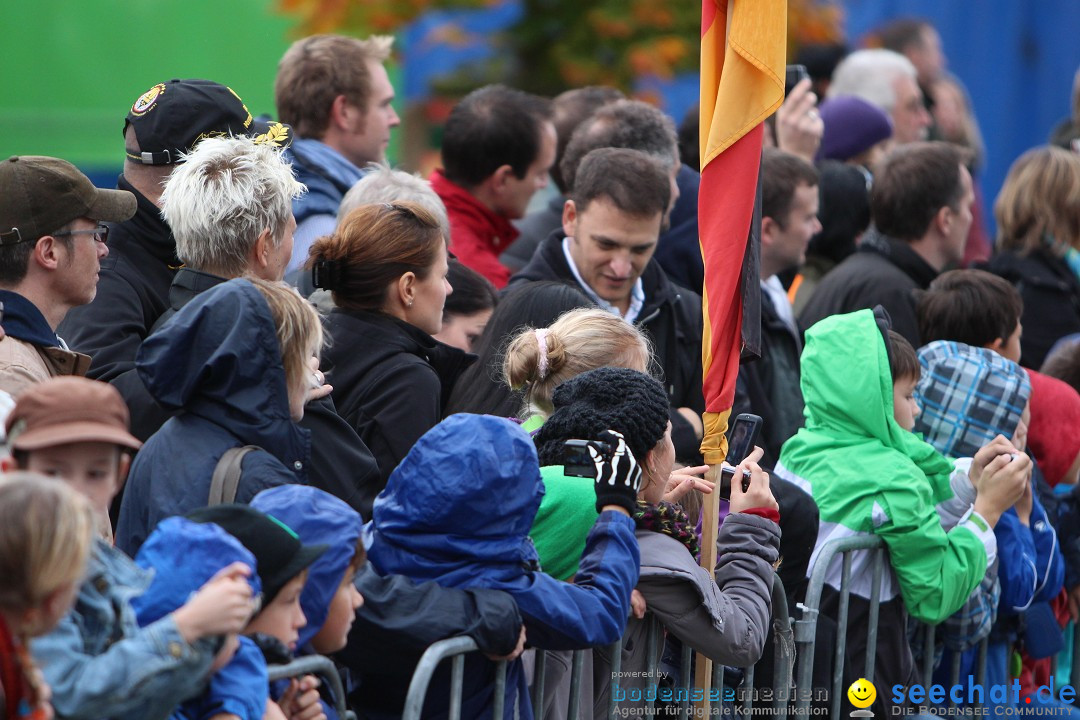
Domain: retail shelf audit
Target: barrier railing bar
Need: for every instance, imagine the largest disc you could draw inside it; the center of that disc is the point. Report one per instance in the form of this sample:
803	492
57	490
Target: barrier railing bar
685	664
806	626
539	675
841	635
500	691
783	646
650	645
429	661
928	655
316	665
576	666
875	612
616	668
457	677
954	673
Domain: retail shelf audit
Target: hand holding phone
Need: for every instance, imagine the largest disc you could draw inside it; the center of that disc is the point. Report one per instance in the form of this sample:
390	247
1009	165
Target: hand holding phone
793	75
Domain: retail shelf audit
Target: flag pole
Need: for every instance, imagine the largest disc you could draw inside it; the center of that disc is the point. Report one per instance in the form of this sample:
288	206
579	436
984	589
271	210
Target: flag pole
743	53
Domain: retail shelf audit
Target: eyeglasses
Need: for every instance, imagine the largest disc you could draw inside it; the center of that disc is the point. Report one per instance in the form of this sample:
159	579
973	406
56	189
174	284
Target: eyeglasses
100	233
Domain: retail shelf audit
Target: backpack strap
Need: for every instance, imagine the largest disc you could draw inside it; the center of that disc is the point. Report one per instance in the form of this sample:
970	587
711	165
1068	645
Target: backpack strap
227	475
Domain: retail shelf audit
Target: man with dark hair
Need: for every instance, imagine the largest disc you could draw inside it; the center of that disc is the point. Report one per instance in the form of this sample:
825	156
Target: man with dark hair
570	109
51	246
789	207
636	125
921	208
611	224
498	145
335	92
974	307
630	124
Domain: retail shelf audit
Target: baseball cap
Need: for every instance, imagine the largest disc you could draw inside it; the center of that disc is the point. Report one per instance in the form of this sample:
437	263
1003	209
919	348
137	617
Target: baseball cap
39	195
172	117
279	554
68	410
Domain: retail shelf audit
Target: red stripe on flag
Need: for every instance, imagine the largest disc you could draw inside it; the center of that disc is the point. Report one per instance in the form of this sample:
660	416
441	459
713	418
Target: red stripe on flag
725	210
708	15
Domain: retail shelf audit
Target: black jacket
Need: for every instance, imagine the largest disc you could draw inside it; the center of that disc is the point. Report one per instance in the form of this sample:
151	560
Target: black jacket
391	380
671	317
883	272
771	383
340	463
1051	295
400	618
132	292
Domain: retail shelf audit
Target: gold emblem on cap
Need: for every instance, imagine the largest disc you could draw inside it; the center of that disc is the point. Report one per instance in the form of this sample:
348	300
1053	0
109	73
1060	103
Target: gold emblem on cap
147	99
277	134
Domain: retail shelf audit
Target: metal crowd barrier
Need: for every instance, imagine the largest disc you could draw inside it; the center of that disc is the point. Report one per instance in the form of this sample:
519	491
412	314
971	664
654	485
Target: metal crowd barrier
792	640
323	668
806	626
456	648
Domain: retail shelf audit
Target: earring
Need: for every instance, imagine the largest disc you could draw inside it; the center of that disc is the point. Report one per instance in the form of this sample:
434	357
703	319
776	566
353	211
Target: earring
409	304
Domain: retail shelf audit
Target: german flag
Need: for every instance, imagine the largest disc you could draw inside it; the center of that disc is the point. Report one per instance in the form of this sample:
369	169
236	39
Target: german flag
743	51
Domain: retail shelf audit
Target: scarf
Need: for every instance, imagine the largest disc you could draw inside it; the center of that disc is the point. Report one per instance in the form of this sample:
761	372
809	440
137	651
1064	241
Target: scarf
668	519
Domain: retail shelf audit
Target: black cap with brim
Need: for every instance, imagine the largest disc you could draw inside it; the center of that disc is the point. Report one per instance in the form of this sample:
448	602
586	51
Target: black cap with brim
279	554
171	118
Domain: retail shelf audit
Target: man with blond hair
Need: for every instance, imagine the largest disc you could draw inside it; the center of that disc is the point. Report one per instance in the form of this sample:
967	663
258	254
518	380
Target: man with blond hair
336	94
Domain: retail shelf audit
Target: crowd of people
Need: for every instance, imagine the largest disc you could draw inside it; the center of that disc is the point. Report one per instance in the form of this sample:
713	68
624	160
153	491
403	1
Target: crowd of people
271	398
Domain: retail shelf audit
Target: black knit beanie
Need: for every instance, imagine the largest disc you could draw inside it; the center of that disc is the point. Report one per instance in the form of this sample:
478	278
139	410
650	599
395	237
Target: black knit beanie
627	401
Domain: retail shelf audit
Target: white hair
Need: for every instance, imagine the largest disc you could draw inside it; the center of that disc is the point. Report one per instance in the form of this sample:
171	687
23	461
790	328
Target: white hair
869	74
380	184
224	195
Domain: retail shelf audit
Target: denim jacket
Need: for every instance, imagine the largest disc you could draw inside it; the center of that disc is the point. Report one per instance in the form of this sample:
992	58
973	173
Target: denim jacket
100	664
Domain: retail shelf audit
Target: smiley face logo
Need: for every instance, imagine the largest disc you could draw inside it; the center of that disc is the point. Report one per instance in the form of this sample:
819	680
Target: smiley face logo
862	693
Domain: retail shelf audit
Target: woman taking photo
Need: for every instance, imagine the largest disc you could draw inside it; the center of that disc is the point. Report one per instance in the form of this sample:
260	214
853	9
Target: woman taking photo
726	620
386	267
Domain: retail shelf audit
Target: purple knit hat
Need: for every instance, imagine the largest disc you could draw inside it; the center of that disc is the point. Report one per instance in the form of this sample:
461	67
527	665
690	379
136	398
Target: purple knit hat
852	126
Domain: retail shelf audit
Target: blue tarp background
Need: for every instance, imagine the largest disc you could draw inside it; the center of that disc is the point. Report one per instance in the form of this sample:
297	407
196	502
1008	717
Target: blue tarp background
1016	57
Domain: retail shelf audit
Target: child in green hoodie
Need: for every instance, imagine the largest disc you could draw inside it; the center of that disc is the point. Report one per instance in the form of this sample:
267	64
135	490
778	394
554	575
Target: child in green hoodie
870	475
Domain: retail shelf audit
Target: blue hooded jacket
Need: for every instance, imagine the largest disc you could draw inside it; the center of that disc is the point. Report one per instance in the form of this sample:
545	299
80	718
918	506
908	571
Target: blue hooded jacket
183	556
458	510
219	361
318	518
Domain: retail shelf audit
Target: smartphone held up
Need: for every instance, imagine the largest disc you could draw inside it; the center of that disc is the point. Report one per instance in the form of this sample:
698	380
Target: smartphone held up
744	432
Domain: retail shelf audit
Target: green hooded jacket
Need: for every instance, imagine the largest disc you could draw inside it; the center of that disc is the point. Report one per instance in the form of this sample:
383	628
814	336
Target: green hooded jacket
869	475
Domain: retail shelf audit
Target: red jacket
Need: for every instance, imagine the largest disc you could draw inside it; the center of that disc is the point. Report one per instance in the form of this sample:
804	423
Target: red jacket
477	234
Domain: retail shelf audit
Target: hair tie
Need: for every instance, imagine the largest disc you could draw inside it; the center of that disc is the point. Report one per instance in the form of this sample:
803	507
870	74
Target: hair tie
326	274
541	340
